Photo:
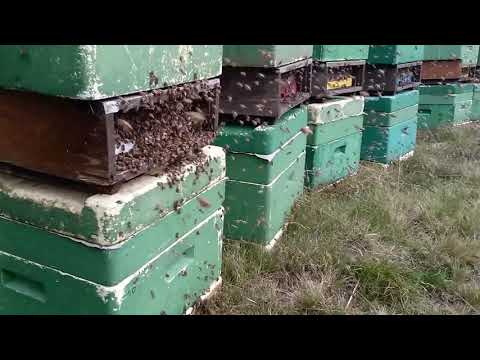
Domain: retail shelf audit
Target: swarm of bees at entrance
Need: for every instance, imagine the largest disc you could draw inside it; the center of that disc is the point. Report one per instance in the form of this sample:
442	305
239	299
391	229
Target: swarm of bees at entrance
166	129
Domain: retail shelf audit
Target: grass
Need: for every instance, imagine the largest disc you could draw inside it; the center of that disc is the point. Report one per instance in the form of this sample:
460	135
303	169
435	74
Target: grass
402	240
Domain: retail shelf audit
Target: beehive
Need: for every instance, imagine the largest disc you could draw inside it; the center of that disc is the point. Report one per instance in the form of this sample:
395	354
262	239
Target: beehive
390	127
468	54
333	150
262	163
264	55
447	104
148	249
395	54
340	52
93	72
475	113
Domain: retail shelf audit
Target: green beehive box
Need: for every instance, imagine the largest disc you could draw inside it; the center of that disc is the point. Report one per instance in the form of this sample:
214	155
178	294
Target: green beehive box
392	103
262	139
335	108
476	92
108	265
394	54
446	89
105	219
92	72
335	118
169	283
257	212
374	118
325	133
436	115
327	163
262	169
449	99
447	94
475	113
340	52
264	55
386	144
468	54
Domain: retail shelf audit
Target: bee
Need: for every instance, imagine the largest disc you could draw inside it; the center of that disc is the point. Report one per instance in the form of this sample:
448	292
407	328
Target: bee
306	130
124	125
203	202
153	80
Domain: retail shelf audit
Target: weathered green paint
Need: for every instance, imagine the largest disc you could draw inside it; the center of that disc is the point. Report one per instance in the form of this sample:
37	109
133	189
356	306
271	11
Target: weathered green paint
169	283
265	55
340	52
328	132
446	89
333	161
475	112
434	115
476	92
386	144
262	140
103	219
92	72
109	265
467	53
374	118
394	54
256	212
336	108
449	99
262	169
392	103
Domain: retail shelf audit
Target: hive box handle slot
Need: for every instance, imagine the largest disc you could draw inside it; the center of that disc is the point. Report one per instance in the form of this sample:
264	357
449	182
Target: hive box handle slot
425	111
185	258
341	149
23	285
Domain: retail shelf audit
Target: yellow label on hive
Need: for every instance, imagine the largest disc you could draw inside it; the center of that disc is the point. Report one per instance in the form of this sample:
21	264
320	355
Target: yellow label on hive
337	84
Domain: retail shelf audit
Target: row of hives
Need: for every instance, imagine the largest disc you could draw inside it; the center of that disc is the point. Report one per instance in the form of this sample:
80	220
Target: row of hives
112	198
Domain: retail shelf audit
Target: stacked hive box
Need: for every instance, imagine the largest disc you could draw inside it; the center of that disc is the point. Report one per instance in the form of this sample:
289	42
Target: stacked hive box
91	72
265	169
86	98
447	95
333	148
449	62
264	136
391	116
475	113
390	126
148	249
448	104
153	245
338	69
